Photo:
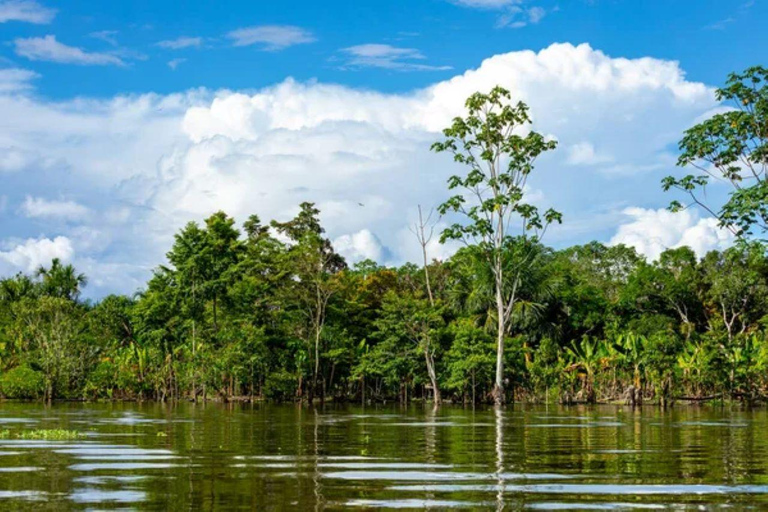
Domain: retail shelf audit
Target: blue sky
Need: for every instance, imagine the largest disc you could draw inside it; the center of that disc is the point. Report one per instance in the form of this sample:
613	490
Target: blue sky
709	37
124	120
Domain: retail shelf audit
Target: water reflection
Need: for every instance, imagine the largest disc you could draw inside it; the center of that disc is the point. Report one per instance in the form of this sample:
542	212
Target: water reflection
207	456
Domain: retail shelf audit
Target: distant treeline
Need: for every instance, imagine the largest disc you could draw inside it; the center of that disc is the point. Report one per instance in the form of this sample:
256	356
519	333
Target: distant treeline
250	316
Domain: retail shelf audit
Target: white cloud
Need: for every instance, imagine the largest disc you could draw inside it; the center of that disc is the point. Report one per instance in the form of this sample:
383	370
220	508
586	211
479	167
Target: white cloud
271	37
15	159
360	246
25	10
583	153
49	49
27	256
651	232
514	14
16	79
519	17
152	163
38	207
485	4
175	63
387	57
180	43
108	36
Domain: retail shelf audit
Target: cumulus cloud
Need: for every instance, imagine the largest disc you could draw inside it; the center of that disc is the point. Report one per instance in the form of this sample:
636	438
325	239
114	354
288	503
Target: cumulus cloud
180	43
38	207
360	246
271	37
16	159
151	163
16	79
25	10
651	232
34	252
387	57
48	49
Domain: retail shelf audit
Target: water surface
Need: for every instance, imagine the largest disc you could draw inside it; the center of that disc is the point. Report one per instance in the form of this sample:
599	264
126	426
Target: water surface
225	457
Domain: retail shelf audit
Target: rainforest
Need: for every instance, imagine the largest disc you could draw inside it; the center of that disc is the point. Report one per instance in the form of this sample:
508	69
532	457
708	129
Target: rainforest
251	310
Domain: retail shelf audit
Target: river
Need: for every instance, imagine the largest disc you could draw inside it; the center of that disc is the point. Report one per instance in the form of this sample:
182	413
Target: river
240	456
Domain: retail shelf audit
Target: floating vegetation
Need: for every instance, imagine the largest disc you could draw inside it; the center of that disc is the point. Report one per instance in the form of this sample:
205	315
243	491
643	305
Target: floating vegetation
50	434
42	434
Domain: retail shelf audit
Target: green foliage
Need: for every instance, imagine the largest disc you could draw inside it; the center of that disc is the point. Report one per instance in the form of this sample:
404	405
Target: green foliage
592	323
491	199
272	311
22	382
470	358
731	146
50	435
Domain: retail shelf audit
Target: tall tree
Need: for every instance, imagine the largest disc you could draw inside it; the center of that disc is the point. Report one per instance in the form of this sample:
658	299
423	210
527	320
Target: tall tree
311	265
499	162
49	327
60	280
408	319
737	292
222	251
731	146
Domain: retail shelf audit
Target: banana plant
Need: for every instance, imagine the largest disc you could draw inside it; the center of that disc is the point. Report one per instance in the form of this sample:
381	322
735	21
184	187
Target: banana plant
587	356
631	350
693	362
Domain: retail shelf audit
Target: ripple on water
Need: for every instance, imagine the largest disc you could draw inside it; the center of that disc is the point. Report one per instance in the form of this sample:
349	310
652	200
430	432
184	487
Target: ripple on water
19	469
114	451
592	489
600	506
92	495
304	457
23	495
431	476
421	424
35	444
414	503
576	425
729	424
12	421
109	479
121	466
383	465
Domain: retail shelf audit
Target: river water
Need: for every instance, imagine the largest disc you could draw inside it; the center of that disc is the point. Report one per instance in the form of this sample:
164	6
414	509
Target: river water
235	456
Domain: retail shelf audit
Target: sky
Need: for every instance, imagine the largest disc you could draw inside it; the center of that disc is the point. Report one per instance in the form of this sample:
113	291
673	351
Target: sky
122	121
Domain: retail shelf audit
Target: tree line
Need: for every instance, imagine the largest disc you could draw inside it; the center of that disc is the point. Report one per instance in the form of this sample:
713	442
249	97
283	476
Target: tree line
272	311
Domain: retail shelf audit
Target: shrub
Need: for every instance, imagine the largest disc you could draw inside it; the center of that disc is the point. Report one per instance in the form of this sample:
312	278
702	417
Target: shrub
22	382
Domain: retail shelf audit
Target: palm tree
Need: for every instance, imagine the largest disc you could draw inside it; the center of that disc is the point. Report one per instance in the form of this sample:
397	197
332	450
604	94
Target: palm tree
61	280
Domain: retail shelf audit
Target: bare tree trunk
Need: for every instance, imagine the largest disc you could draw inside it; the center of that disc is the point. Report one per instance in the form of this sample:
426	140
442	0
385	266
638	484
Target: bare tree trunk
424	239
432	377
498	388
